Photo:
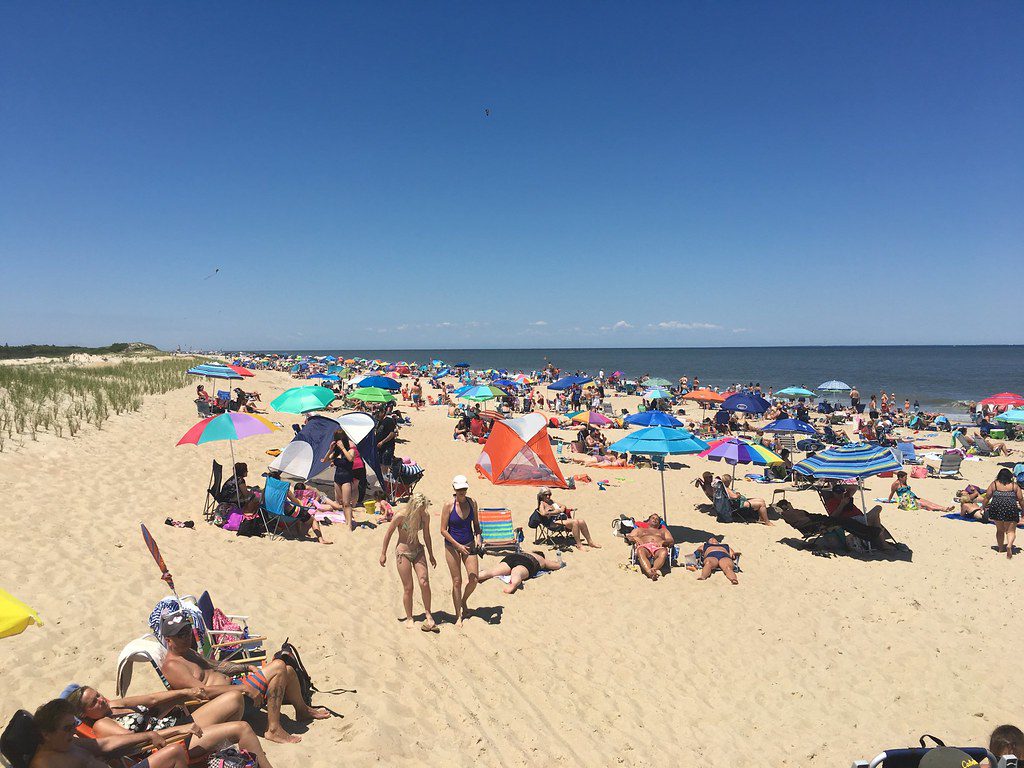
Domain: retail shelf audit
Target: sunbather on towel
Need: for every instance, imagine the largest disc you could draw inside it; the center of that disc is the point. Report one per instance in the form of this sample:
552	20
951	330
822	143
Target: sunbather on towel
218	720
718	557
654	544
521	566
60	747
972	503
270	685
609	460
760	506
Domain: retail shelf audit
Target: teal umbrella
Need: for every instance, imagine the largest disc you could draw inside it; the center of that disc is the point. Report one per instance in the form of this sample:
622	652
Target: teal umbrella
793	393
657	383
482	393
658	394
302	400
1016	416
660	442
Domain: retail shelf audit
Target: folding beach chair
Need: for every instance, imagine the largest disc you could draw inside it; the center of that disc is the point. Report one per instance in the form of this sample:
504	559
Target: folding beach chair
787	441
963	441
727	510
911	758
542	534
982	447
496	530
950	465
906	453
274	508
145	650
608	410
203	409
229	644
213	491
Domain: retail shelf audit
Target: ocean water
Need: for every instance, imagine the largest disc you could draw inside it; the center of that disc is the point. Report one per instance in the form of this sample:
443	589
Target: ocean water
940	377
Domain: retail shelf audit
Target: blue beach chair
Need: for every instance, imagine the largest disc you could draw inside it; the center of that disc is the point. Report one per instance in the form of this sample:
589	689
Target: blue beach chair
274	508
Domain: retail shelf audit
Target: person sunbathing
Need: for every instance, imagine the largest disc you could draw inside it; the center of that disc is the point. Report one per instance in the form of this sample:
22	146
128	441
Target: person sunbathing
738	500
558	518
706	482
609	460
972	503
218	719
907	498
520	567
270	685
60	747
992	447
653	542
718	557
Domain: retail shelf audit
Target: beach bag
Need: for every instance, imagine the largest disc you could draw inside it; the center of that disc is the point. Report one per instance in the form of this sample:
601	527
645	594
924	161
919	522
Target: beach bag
222	623
289	654
622	525
251	526
535	520
234	520
909	503
20	739
232	757
919	471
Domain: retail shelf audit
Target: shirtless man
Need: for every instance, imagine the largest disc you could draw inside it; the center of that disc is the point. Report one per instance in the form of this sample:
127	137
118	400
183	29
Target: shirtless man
268	686
60	748
653	544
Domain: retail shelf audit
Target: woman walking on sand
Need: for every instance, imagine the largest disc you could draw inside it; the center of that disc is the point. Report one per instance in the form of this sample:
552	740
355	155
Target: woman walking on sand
460	527
1004	500
411	556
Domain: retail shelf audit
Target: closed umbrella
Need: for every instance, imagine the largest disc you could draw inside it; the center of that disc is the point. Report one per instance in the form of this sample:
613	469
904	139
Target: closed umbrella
302	400
660	442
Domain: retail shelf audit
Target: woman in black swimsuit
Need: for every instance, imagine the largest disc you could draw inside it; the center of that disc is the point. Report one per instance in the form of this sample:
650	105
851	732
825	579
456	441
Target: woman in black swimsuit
520	566
342	455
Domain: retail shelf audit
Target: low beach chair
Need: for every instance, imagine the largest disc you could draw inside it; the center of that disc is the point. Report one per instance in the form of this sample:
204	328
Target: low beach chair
906	453
496	530
727	510
203	409
788	441
607	409
274	508
230	644
963	441
950	464
553	537
982	447
146	651
670	561
911	758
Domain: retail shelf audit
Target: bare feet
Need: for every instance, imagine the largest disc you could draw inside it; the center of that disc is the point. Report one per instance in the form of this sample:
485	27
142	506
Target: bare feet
281	736
592	544
655	575
408	622
702	578
313	713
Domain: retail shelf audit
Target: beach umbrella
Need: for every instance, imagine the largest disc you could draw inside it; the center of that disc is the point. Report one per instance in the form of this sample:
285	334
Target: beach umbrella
521	378
593	418
462	365
244	372
853	461
381	382
1013	416
704	396
660	442
653	419
372	395
302	400
790	425
230	426
481	393
733	450
657	383
746	402
1003	400
214	372
504	383
15	616
834	385
567	382
793	393
658	394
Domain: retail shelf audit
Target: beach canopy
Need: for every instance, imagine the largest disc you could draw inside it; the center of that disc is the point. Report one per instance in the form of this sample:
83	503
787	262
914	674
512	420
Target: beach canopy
793	393
302	399
302	458
790	425
834	385
15	616
567	382
746	402
233	425
380	382
593	418
653	419
850	461
372	395
704	396
1003	400
1013	416
518	452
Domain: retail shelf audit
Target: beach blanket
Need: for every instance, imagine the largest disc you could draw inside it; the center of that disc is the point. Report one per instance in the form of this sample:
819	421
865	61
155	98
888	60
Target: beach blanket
958	516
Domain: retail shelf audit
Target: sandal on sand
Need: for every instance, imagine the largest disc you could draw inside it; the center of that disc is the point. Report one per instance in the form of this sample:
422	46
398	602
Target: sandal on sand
432	628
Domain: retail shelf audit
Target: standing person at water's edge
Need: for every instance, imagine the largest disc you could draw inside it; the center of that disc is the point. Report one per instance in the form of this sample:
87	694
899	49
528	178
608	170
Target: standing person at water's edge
460	527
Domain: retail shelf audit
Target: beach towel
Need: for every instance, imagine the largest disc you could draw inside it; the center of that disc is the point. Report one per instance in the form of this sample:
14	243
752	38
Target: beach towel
958	516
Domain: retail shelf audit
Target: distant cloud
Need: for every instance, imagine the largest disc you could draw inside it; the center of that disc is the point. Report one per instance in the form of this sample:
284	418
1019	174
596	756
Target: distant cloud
539	322
676	325
740	330
622	324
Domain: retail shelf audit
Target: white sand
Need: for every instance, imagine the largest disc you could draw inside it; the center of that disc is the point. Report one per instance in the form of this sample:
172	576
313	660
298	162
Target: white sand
811	660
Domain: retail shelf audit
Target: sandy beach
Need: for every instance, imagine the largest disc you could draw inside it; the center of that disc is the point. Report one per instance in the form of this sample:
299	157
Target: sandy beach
811	660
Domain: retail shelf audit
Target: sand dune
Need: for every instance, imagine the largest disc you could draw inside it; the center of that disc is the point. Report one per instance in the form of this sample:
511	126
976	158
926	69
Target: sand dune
811	660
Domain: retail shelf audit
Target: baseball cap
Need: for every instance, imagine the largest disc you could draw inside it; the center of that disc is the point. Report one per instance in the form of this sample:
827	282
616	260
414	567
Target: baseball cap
174	624
947	757
459	482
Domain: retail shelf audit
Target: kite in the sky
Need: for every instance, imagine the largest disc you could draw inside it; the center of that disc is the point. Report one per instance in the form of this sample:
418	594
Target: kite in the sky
212	274
487	113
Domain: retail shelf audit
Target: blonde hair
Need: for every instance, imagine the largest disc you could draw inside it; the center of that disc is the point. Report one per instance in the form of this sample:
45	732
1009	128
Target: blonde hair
415	508
542	493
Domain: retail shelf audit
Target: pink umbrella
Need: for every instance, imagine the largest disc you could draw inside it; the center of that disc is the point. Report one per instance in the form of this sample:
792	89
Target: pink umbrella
593	418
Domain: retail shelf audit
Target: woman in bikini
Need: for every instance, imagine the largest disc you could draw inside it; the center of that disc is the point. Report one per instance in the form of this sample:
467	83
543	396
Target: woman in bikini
341	455
520	566
718	556
972	503
460	527
411	556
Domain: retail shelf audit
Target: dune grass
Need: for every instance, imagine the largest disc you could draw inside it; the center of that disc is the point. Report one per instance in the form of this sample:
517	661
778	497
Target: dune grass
62	399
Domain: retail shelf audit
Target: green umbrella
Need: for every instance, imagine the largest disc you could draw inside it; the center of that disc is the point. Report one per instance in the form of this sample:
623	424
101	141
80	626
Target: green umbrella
652	383
482	393
372	395
302	399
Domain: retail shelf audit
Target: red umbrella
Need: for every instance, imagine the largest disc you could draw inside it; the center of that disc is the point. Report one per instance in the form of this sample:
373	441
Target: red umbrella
1004	400
241	371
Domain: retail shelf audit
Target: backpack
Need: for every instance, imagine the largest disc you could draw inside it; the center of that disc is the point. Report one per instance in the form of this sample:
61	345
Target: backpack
20	739
289	654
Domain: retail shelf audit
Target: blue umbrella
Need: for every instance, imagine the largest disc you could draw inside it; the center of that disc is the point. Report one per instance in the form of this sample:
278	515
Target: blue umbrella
746	402
658	393
848	462
462	365
661	442
381	382
440	374
790	425
504	383
567	382
653	419
214	371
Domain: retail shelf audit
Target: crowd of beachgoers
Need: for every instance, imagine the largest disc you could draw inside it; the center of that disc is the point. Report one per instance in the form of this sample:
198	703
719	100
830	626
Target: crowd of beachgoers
827	442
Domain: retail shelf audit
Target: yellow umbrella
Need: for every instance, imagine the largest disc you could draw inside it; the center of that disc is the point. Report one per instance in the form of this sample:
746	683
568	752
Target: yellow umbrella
15	616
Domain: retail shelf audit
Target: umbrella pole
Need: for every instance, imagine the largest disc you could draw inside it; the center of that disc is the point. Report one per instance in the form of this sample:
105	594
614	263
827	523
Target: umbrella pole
234	474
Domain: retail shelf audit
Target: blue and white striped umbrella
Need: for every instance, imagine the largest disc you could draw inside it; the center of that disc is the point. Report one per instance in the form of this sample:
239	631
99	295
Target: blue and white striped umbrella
848	462
834	386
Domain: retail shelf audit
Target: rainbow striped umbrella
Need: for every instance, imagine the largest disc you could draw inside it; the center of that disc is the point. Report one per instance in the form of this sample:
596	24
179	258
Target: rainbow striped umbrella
734	451
228	426
593	418
852	461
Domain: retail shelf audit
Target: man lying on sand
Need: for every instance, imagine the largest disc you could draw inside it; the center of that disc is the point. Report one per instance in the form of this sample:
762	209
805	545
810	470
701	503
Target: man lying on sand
268	686
653	542
60	748
521	566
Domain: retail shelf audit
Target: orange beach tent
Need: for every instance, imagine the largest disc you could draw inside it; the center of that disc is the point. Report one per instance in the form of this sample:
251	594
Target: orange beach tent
518	452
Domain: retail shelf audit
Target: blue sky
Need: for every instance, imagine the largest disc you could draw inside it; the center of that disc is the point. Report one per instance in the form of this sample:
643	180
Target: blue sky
655	174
